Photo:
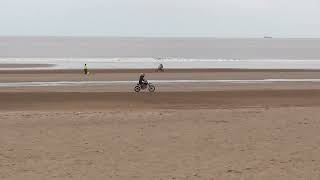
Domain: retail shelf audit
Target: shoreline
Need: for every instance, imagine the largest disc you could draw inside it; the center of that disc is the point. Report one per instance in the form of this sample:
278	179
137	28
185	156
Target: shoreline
134	64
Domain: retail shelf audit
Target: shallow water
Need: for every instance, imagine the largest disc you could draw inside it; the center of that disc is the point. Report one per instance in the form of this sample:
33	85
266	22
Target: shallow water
100	83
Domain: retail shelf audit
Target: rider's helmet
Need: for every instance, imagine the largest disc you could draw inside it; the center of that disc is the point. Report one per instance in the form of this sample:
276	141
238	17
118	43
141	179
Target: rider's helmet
142	74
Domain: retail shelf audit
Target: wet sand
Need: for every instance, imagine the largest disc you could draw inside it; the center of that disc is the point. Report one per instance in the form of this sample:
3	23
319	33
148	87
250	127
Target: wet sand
183	131
91	101
171	74
25	65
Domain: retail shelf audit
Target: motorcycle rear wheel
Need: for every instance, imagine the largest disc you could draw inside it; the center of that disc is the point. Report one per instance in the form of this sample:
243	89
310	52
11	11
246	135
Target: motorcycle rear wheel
137	88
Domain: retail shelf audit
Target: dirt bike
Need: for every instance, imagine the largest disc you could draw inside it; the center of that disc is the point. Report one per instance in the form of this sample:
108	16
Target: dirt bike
144	86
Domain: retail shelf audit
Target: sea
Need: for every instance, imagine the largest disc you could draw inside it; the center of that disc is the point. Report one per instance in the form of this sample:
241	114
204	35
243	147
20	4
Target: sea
138	53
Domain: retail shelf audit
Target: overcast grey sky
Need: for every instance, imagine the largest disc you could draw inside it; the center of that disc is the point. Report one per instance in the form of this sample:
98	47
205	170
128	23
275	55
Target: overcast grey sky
215	18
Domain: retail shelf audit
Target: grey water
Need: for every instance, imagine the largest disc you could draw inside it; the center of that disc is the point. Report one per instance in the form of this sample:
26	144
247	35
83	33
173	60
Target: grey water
193	48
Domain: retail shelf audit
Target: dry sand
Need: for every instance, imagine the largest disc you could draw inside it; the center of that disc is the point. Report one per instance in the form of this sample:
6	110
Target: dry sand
232	132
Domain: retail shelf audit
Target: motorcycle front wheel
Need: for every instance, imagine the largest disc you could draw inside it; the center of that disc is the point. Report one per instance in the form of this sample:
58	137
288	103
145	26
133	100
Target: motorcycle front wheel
151	88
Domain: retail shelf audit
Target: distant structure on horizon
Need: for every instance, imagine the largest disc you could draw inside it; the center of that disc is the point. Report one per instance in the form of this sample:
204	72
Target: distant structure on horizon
267	37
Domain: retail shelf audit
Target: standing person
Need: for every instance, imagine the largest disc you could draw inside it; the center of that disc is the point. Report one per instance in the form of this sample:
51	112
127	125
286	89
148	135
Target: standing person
85	69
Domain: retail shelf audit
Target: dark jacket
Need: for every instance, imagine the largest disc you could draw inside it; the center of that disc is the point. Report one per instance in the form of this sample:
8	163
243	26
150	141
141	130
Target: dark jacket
141	80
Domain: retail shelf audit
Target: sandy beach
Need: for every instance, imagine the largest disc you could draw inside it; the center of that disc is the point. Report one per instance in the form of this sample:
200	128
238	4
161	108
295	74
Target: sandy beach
183	131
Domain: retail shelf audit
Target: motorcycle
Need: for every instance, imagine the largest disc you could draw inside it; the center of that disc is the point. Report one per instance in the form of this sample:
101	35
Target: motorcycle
144	86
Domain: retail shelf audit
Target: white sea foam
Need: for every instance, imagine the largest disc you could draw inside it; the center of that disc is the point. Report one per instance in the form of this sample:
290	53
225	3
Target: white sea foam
150	63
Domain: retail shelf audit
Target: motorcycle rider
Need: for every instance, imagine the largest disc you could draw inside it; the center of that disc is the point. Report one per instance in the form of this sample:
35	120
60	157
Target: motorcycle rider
142	81
160	68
